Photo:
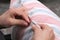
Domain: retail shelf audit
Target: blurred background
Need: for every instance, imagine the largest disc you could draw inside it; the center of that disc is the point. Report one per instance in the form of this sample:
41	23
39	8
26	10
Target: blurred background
54	5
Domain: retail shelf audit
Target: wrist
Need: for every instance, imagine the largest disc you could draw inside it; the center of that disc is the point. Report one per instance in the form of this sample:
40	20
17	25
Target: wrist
1	26
0	20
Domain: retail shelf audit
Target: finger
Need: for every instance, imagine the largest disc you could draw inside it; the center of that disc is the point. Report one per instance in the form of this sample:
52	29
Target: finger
52	35
23	12
35	28
25	16
47	28
43	26
18	22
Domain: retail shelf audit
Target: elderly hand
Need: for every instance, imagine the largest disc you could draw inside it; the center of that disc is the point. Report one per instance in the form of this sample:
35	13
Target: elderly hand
46	33
15	17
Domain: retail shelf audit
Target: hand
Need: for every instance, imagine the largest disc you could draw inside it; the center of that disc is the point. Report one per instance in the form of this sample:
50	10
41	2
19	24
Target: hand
15	17
46	33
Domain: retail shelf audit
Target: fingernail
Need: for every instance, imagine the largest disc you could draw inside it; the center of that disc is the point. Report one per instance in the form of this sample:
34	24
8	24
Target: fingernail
28	20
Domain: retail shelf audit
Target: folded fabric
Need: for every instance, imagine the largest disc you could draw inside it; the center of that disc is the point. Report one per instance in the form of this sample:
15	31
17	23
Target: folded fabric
40	14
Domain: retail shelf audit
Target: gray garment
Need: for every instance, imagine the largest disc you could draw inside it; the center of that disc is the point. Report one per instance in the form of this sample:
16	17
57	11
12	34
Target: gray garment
1	36
19	33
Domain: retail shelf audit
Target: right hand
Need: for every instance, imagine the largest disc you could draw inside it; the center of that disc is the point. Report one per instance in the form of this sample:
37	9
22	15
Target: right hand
46	33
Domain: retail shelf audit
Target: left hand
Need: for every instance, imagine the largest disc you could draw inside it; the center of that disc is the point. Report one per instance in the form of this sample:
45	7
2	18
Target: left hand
9	18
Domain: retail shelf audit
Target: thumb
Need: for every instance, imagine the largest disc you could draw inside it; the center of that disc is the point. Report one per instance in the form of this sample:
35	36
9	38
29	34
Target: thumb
18	22
35	28
45	27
